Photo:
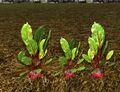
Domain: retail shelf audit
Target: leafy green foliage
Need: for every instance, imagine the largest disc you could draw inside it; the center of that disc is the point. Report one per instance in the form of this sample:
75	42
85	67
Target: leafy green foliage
21	55
98	33
35	45
23	74
27	37
73	70
62	60
32	47
91	54
102	62
39	34
97	47
47	39
26	33
93	45
80	61
86	57
66	48
69	49
42	53
73	43
70	61
24	59
38	70
81	68
104	48
109	55
74	53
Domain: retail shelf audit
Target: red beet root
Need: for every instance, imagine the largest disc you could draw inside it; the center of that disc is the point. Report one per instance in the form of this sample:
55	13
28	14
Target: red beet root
34	75
69	74
97	74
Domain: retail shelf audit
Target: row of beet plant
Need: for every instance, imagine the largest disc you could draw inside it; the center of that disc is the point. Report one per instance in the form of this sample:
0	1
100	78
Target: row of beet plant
71	61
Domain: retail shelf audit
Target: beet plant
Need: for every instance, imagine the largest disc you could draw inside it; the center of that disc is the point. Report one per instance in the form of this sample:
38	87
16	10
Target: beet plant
97	50
36	46
70	61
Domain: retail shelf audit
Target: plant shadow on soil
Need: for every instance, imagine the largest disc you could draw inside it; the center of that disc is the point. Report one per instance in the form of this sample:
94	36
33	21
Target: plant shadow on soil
65	20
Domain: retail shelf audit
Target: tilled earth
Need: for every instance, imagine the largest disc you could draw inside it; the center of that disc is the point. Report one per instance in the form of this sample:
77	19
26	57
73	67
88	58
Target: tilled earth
65	20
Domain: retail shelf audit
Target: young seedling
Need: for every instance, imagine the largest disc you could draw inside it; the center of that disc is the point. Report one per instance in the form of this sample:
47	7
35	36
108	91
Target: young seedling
96	53
36	47
70	60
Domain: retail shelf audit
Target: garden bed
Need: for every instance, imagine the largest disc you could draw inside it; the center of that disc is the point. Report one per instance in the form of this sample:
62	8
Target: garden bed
65	20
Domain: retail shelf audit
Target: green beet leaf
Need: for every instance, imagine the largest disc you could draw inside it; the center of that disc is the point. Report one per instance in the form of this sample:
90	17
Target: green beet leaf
95	39
78	69
66	48
93	44
109	55
26	33
80	61
91	53
56	73
23	74
27	37
21	55
73	43
38	70
32	47
94	71
42	53
104	48
47	39
102	62
73	70
81	68
39	34
24	59
74	53
62	60
98	31
86	57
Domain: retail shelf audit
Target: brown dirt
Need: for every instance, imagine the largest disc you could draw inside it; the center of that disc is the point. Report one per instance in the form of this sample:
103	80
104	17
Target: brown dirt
65	20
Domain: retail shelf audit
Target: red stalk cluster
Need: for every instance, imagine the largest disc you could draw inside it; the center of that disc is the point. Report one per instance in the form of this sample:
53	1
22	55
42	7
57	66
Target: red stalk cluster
97	58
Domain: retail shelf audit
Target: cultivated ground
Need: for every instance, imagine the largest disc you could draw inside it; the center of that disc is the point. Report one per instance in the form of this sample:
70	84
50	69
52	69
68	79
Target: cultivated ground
65	20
